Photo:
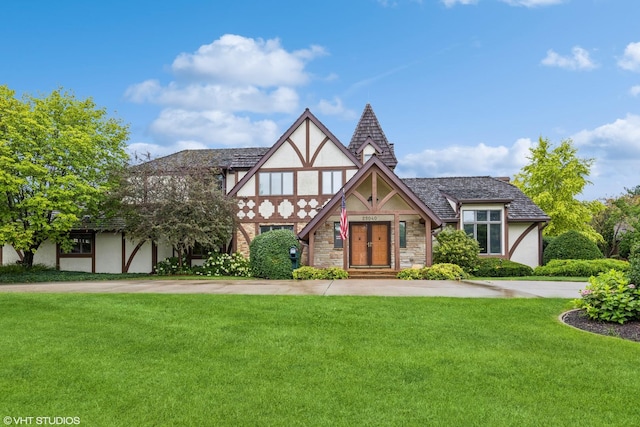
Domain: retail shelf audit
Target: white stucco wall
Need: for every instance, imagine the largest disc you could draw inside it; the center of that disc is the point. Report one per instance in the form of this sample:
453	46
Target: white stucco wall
527	250
108	250
141	263
308	183
249	188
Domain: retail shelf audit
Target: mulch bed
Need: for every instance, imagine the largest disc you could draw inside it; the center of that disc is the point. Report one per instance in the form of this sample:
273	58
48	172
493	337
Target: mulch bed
579	319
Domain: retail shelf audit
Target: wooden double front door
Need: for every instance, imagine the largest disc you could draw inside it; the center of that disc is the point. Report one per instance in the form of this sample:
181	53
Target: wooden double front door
370	244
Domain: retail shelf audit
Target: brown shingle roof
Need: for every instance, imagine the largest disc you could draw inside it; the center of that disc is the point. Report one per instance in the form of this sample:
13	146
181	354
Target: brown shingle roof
221	158
434	191
369	127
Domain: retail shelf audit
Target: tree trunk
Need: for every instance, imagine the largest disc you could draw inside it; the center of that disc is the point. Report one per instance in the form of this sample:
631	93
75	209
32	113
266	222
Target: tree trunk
27	259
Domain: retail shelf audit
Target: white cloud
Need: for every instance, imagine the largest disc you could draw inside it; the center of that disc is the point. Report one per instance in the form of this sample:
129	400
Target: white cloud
533	3
635	90
631	59
218	87
335	108
239	60
578	60
466	160
451	3
213	128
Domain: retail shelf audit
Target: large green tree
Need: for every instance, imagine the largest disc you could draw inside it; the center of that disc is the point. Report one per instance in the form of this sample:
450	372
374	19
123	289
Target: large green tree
619	223
58	155
183	206
552	179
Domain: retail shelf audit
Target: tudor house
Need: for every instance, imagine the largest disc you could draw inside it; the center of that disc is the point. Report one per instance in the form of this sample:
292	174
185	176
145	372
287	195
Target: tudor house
299	183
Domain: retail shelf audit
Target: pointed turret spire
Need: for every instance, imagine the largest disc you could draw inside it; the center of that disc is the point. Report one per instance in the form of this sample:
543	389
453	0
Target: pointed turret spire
369	132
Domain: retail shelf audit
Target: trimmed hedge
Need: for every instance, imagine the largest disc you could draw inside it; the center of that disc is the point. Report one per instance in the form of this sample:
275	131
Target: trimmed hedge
580	267
498	267
269	254
571	245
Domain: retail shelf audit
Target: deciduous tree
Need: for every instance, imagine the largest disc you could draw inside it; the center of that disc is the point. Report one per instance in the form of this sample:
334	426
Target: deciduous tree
552	179
58	155
180	205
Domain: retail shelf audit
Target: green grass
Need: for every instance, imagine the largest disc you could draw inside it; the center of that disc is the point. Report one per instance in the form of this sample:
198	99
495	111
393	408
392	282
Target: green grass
143	360
39	274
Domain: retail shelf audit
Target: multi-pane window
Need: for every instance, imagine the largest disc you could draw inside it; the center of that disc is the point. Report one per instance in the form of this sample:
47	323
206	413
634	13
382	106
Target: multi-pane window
331	182
486	227
275	183
82	244
265	228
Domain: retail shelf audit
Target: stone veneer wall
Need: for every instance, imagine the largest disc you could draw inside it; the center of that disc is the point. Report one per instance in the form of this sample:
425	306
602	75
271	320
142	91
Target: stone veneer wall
325	255
415	252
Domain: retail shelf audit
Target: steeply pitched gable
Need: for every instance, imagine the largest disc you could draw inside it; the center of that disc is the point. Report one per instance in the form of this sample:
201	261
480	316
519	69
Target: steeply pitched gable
369	127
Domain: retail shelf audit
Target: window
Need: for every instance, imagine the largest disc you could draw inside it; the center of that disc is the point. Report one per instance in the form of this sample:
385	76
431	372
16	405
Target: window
265	228
331	182
403	234
337	239
82	244
486	227
275	183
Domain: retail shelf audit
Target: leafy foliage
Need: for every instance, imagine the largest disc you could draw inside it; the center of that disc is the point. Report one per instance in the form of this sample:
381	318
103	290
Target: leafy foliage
442	271
580	267
313	273
552	179
634	267
178	204
498	267
171	266
571	245
58	157
456	247
269	254
223	264
610	297
619	223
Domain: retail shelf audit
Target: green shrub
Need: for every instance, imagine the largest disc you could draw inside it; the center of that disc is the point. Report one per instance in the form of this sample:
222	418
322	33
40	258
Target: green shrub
170	267
269	254
313	273
634	265
223	264
456	247
410	274
498	267
571	245
442	271
580	267
308	273
627	242
335	273
610	297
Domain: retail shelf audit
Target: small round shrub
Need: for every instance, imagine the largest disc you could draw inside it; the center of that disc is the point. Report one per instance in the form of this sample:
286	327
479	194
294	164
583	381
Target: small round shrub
571	245
307	273
498	267
335	273
410	274
580	267
444	271
610	297
456	247
171	266
269	254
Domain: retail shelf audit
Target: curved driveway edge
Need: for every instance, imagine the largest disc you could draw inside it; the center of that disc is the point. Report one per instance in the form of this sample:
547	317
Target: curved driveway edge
413	288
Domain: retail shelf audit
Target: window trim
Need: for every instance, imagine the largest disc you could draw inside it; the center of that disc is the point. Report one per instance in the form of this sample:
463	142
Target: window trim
264	177
488	223
332	174
272	227
91	237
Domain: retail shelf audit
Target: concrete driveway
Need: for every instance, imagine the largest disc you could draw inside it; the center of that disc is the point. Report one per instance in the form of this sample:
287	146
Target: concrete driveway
413	288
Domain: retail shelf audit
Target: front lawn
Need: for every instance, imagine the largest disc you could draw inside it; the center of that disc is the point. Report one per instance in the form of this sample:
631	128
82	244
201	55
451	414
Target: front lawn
123	360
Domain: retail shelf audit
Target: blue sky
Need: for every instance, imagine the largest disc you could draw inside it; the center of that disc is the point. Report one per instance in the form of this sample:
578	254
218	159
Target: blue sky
461	87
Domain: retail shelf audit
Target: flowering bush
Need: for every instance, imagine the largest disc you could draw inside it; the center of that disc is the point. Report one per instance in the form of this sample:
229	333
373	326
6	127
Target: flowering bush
171	266
610	297
222	264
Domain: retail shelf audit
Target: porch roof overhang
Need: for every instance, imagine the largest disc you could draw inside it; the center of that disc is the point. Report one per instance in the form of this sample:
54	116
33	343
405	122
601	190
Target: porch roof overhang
374	163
